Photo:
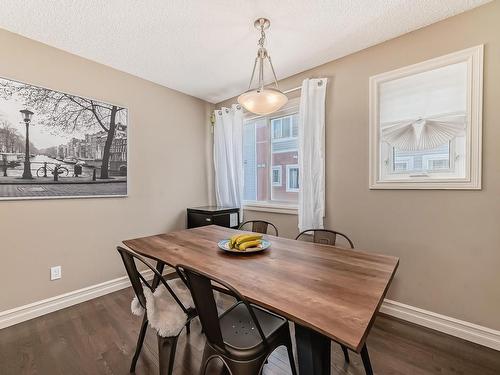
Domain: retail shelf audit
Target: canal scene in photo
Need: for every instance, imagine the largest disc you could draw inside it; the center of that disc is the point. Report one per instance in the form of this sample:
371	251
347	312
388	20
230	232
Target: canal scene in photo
58	145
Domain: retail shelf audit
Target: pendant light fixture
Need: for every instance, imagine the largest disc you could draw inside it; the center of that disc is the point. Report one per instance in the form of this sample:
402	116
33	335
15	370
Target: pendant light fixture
262	100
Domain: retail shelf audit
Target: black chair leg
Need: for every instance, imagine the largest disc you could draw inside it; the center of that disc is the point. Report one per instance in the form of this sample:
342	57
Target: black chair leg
166	354
140	341
346	353
366	360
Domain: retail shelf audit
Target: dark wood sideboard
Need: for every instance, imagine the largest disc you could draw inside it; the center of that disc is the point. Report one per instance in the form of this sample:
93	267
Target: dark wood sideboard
228	217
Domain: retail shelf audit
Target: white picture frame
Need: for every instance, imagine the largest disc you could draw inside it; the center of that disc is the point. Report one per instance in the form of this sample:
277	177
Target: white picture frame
471	180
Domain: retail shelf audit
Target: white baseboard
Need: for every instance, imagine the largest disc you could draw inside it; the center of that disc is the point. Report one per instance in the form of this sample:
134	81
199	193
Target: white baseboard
442	323
451	326
38	308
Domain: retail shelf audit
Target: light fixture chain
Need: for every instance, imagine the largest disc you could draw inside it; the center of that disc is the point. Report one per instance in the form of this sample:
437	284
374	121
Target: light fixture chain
262	36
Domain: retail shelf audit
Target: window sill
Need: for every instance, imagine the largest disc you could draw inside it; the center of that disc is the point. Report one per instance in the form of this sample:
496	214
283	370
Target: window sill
279	208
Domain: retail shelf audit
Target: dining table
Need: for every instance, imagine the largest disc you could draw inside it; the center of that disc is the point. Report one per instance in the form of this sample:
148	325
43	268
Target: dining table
329	293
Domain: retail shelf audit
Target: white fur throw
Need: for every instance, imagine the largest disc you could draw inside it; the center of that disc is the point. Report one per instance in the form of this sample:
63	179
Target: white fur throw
164	314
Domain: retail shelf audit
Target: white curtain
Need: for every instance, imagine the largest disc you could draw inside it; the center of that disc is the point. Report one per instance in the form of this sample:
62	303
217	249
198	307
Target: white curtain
312	154
228	156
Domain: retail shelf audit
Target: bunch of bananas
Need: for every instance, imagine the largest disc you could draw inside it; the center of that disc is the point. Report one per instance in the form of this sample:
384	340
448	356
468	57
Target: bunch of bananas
245	241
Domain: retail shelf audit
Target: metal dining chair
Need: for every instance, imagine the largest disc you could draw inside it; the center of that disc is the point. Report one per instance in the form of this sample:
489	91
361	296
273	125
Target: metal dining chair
244	335
324	236
329	237
166	344
260	226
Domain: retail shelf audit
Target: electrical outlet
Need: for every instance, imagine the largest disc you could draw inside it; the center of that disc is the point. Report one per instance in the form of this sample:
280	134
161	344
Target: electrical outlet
55	272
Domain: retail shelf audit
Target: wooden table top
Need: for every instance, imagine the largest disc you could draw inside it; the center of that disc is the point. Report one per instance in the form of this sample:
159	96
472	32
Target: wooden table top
334	291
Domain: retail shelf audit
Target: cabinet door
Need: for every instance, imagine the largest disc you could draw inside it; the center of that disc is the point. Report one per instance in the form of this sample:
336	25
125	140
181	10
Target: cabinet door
199	220
222	220
229	220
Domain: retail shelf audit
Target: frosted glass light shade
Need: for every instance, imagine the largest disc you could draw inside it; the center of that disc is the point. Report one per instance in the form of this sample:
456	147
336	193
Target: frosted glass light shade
262	101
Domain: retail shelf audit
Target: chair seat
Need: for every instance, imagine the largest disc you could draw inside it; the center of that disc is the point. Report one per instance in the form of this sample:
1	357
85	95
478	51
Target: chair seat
164	314
239	332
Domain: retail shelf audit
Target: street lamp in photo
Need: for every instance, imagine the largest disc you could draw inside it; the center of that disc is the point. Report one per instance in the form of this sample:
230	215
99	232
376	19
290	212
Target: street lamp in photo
27	165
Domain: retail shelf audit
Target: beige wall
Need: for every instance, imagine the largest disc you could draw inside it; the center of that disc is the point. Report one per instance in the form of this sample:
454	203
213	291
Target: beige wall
167	173
448	241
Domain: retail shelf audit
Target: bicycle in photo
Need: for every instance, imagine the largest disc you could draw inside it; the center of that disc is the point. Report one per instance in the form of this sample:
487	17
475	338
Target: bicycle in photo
44	170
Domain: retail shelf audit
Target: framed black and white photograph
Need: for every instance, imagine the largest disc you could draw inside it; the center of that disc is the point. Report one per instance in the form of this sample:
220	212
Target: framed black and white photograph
59	145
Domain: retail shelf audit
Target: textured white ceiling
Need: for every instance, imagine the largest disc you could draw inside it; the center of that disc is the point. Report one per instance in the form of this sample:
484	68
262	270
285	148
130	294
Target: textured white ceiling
206	48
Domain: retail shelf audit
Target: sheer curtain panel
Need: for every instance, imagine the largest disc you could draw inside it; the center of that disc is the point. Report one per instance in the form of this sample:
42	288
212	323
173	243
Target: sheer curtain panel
228	162
312	154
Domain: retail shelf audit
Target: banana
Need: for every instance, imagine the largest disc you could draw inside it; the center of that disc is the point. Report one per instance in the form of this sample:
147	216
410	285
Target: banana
249	244
247	237
232	240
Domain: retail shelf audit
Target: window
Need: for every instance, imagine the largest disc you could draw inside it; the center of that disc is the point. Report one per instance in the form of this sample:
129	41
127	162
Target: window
401	165
425	124
270	146
292	178
285	127
276	177
422	162
438	164
277	128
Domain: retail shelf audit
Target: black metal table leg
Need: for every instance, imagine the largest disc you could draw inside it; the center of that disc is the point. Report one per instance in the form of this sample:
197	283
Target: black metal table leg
346	353
313	350
156	280
366	360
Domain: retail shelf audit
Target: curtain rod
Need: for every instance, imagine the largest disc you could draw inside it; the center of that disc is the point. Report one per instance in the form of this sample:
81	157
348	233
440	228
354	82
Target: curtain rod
292	90
320	83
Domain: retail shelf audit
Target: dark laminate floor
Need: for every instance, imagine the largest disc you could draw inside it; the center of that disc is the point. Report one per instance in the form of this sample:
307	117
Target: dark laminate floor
98	337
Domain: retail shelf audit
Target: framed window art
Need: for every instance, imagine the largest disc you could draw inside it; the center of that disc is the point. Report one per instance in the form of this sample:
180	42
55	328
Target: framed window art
426	125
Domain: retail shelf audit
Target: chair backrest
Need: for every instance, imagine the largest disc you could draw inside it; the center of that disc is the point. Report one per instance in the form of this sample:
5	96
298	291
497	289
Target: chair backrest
200	285
138	281
325	236
260	226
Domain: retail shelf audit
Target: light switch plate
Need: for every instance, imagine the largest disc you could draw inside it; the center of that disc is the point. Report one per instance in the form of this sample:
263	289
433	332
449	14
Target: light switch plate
55	272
